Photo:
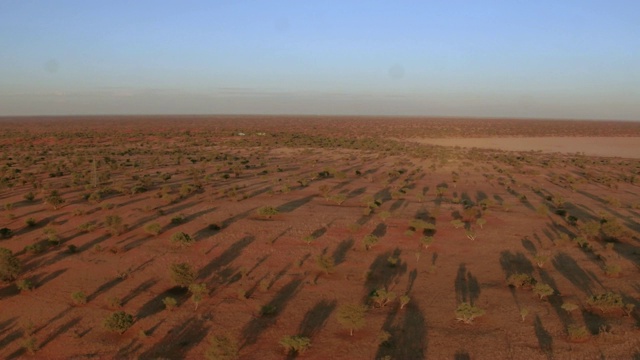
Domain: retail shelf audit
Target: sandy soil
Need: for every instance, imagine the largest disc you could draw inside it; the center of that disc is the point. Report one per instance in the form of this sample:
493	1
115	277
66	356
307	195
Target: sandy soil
331	191
626	147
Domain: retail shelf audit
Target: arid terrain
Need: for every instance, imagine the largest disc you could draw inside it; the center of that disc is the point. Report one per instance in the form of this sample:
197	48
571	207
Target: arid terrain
317	237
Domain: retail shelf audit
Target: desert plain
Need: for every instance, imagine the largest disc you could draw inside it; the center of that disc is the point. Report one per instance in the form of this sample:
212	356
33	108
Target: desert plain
275	237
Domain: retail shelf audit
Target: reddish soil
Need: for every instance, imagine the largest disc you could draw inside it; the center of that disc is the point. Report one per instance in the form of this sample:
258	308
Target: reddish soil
193	172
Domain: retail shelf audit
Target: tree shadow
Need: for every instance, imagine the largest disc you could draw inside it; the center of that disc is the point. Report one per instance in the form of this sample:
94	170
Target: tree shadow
461	355
381	275
380	230
156	305
319	232
545	340
293	205
104	288
226	257
408	337
340	253
570	269
316	317
9	291
357	192
594	322
466	285
252	330
146	285
413	275
555	299
529	246
515	263
396	205
179	340
60	330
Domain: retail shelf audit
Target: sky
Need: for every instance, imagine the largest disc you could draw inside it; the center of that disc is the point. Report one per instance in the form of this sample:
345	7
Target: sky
534	59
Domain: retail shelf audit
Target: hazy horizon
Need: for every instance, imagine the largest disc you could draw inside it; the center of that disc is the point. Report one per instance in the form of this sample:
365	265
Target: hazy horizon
560	60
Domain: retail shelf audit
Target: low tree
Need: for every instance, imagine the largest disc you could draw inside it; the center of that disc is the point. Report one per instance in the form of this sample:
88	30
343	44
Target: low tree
542	290
197	292
10	266
467	312
404	300
352	316
382	297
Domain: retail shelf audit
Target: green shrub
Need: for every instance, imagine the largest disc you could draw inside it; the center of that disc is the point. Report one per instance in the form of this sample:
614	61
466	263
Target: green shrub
577	333
369	241
222	347
31	222
182	239
118	321
170	303
79	298
25	285
325	263
153	228
267	211
296	344
182	274
519	280
352	316
10	266
543	290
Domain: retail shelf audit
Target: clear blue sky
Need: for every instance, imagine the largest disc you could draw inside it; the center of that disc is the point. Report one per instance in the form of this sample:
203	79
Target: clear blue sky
544	58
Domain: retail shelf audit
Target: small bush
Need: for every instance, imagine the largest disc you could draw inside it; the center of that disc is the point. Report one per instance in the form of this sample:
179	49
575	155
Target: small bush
577	333
182	239
325	263
118	321
31	222
520	280
296	344
6	233
369	241
267	211
222	347
79	298
178	219
153	228
170	303
25	285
